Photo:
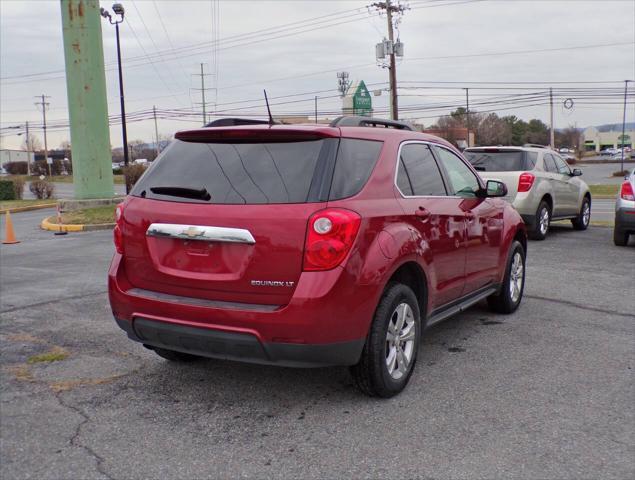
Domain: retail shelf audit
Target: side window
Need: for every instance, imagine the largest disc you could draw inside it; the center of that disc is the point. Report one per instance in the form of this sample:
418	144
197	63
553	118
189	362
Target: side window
418	173
355	162
531	158
550	163
563	168
463	182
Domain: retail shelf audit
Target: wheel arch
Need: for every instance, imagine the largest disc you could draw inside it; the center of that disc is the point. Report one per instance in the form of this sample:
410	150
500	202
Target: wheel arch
410	273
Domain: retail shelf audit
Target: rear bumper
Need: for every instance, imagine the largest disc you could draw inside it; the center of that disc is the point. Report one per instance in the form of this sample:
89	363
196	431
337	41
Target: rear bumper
325	323
242	347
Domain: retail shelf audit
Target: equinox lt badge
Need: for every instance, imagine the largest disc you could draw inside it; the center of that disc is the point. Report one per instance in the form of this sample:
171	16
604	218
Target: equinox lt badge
271	283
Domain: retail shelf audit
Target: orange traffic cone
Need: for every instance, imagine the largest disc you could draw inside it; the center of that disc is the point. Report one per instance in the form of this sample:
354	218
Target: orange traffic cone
10	234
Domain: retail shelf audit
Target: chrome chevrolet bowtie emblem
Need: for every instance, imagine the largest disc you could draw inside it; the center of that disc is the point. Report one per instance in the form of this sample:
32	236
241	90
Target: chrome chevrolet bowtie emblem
193	232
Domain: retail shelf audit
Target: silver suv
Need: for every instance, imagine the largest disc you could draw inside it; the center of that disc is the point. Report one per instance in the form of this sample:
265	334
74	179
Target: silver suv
540	185
625	211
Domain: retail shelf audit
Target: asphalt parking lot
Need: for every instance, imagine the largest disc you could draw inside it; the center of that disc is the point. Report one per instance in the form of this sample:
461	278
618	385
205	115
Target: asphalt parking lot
544	393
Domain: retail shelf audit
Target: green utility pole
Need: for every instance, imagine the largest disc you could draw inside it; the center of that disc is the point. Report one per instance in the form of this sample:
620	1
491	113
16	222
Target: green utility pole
87	104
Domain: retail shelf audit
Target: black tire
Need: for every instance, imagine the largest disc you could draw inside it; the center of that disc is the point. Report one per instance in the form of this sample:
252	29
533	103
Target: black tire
581	222
538	231
620	237
504	302
371	373
174	356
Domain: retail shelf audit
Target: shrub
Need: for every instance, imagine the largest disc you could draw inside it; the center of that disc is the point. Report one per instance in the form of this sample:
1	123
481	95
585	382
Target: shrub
39	167
42	189
7	190
18	187
621	173
571	161
132	174
11	189
16	168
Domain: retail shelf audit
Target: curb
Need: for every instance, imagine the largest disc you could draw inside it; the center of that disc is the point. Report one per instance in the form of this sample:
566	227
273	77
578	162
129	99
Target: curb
54	227
28	208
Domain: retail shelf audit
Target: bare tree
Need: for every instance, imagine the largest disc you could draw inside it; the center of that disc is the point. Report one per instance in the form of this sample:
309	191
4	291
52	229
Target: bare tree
493	130
35	145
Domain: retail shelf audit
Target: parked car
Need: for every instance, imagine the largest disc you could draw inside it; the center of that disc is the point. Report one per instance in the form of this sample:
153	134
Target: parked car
625	211
566	150
311	246
540	184
609	151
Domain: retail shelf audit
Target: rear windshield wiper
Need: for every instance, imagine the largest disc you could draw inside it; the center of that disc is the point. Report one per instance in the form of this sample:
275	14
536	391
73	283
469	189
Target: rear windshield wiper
185	192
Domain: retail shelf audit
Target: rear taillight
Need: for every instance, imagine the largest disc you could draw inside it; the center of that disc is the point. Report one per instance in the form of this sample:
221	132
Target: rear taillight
330	236
626	192
117	232
525	182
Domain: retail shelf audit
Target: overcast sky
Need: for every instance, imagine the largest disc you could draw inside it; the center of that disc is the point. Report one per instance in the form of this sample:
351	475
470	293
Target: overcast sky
549	42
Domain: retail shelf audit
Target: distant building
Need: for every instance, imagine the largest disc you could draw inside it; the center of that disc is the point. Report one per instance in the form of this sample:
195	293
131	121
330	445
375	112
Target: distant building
7	156
599	138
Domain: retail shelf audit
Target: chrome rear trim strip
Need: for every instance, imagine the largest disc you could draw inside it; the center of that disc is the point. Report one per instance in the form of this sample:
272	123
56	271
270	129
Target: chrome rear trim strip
201	233
200	302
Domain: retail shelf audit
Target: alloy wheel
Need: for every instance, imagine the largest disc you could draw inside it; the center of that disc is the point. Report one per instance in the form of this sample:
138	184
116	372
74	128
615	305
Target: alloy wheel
400	341
516	277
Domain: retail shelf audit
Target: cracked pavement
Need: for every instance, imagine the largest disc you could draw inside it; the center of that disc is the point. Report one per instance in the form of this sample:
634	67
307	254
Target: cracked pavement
544	393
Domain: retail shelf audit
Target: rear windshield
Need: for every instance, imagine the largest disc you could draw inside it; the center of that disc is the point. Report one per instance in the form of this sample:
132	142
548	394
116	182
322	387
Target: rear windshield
259	173
501	160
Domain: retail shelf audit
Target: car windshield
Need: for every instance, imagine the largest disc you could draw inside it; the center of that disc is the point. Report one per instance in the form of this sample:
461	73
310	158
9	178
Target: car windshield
498	160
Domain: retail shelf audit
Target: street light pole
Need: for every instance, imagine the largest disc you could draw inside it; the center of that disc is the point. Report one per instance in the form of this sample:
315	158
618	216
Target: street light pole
119	10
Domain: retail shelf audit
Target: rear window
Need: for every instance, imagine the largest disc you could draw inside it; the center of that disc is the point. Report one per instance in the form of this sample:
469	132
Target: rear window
501	161
259	173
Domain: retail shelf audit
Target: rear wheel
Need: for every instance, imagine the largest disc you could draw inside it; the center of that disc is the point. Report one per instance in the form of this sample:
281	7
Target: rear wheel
174	356
541	223
620	237
581	222
511	292
390	352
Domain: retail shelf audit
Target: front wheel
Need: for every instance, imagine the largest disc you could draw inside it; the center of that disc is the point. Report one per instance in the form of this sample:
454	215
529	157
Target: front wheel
511	292
390	352
581	222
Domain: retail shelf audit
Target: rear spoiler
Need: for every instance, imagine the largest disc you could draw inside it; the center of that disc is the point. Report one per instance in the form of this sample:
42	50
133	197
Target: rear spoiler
256	134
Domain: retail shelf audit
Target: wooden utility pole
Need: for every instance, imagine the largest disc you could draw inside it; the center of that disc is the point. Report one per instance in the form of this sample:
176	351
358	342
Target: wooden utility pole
394	107
552	143
624	124
44	104
156	129
203	94
467	114
28	151
392	67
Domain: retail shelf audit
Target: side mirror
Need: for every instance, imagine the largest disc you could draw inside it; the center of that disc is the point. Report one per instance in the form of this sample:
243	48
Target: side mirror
576	172
496	189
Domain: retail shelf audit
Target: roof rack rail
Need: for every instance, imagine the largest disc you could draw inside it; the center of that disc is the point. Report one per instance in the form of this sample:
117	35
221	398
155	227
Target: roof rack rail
535	145
234	122
351	121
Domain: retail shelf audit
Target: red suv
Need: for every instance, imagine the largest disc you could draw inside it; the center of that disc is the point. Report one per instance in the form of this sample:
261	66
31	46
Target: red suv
310	246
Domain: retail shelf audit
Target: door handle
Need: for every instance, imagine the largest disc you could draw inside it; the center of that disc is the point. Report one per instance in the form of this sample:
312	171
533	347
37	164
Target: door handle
423	214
